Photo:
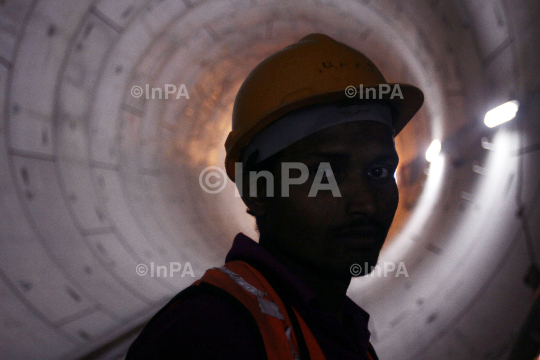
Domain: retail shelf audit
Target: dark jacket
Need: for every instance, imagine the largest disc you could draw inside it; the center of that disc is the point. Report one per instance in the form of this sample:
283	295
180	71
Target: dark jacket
210	325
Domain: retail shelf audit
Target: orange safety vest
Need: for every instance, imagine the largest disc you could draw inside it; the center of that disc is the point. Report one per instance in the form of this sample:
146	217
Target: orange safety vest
285	335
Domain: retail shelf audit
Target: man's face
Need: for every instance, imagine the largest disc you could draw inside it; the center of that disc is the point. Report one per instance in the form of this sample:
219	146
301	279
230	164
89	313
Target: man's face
328	234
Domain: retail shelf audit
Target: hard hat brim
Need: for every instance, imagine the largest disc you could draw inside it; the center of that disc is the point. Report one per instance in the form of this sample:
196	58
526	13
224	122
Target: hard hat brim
404	107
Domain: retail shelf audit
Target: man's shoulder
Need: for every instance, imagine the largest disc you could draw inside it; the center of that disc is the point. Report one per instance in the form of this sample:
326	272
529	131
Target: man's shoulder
202	302
200	322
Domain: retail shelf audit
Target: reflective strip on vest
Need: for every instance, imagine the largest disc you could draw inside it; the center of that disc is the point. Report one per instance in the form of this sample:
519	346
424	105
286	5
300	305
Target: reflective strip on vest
288	335
267	307
246	284
276	330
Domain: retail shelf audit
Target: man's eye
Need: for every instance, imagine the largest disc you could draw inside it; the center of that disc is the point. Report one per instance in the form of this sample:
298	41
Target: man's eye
379	172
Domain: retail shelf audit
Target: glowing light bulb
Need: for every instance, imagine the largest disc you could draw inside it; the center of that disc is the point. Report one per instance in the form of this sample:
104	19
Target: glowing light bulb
433	150
501	113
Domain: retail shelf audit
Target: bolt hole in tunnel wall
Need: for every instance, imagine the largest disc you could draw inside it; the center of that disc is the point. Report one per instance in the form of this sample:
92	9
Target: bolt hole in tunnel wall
103	218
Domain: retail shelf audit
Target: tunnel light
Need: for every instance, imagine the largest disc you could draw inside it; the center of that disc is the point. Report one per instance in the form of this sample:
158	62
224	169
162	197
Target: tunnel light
501	113
433	150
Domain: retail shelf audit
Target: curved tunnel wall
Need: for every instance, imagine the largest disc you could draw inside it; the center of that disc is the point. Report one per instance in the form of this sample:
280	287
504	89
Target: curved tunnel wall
95	181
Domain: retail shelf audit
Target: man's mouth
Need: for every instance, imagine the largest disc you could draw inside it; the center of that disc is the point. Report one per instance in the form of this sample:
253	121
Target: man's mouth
361	237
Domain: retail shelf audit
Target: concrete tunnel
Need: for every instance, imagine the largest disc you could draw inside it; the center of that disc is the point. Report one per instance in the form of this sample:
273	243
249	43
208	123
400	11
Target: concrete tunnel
97	179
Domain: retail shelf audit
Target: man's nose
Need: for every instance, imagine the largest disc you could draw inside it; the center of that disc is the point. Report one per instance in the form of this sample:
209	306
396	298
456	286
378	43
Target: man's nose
359	197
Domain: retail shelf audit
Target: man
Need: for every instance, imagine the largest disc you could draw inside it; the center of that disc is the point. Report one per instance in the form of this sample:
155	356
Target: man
324	209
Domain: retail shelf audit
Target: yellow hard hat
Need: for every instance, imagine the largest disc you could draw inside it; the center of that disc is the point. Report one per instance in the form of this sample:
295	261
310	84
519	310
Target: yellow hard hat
315	70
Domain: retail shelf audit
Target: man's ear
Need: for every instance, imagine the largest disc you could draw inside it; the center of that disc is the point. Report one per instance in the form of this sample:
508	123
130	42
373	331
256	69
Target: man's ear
256	204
